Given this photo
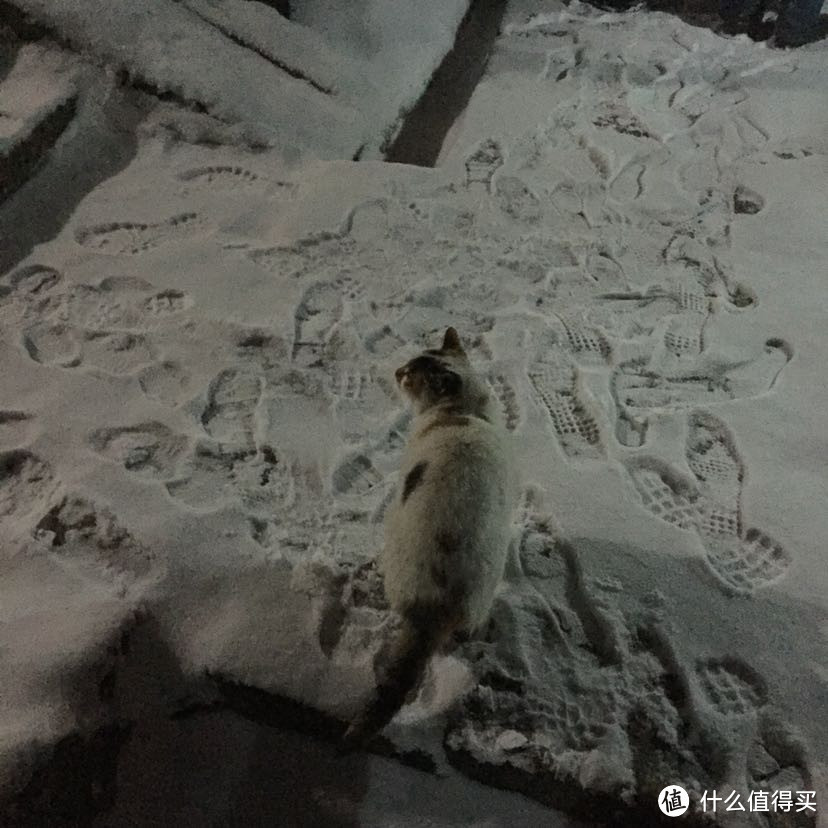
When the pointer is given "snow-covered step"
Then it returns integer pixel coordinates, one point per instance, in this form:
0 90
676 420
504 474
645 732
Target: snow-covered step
37 101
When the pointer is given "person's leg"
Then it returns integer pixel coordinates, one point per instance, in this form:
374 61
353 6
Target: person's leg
797 22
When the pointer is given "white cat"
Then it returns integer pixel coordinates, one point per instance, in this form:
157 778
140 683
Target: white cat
447 531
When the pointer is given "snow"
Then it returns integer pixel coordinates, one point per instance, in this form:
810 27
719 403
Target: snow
174 51
34 88
243 63
199 429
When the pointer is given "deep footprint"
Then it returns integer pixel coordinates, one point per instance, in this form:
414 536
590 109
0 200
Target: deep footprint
717 465
206 483
483 163
30 281
58 345
15 425
116 352
745 565
166 382
747 201
117 302
634 314
664 493
223 178
683 337
132 238
166 303
732 687
355 475
265 484
383 342
505 394
517 201
556 386
65 346
760 375
81 533
230 414
150 449
27 489
638 388
361 401
318 311
587 343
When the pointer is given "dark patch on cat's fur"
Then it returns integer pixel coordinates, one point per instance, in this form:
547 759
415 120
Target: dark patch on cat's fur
445 383
413 479
426 364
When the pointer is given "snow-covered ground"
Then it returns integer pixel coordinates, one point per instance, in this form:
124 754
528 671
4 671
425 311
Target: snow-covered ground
199 432
332 89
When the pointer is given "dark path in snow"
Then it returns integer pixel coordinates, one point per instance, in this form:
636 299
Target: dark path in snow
424 128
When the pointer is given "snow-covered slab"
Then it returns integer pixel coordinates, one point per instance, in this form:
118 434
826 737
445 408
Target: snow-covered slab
176 51
36 103
298 49
332 83
399 45
39 82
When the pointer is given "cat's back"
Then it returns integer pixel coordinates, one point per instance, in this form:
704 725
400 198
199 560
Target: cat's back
448 530
464 453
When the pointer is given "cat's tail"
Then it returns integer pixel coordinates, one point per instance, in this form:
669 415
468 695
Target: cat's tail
423 632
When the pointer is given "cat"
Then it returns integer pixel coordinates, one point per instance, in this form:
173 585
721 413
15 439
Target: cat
447 530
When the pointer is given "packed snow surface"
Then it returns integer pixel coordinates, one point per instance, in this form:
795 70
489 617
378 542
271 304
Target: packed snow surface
200 433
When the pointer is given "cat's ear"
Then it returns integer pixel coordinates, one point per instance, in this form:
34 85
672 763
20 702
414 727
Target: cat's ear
451 341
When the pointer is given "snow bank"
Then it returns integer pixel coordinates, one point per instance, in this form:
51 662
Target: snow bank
309 92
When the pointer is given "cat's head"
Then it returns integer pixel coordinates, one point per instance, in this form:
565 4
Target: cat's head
442 375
